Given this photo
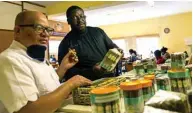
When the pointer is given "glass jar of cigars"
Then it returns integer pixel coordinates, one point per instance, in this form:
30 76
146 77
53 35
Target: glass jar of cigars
163 83
133 96
105 100
180 81
139 69
178 61
154 84
147 89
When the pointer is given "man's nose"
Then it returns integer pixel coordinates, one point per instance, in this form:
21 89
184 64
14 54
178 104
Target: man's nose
45 33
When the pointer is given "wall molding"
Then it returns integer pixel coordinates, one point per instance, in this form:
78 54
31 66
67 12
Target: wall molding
12 3
34 4
137 36
6 30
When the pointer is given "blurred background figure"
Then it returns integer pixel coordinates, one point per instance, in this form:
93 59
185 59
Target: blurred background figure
164 53
159 58
186 54
133 56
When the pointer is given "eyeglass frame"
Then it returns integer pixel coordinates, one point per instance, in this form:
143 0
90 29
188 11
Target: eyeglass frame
34 27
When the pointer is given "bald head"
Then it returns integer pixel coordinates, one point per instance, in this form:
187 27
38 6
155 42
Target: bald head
28 17
26 31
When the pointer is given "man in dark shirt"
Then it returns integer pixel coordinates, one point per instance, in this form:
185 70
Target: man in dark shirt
90 43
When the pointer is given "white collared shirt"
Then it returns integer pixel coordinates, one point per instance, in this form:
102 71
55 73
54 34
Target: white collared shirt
22 78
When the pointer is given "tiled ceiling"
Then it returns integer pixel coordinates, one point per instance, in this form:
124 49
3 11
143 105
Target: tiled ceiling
130 12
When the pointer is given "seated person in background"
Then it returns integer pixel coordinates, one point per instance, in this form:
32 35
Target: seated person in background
186 54
164 53
28 83
90 43
133 56
159 58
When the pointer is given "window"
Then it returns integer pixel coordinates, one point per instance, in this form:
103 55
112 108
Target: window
145 45
122 43
53 47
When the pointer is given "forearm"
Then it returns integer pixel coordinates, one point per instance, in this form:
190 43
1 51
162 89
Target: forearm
61 71
50 102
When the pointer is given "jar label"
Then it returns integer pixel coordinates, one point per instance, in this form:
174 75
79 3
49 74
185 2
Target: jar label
109 107
134 105
173 83
146 97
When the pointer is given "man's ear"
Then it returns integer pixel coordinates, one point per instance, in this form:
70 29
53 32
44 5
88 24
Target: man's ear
16 29
69 21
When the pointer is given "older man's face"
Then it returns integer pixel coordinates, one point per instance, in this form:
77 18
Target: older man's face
37 32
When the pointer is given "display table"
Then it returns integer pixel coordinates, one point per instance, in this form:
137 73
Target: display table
69 107
87 109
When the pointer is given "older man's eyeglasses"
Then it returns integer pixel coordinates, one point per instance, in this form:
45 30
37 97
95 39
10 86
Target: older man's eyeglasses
39 28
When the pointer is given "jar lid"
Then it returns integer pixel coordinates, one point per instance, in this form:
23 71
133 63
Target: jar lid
149 77
131 85
177 71
105 90
145 83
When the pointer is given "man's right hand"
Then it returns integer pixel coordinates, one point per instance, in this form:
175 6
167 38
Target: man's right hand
77 81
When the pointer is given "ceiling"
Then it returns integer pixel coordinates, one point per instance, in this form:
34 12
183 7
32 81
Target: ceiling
130 11
45 3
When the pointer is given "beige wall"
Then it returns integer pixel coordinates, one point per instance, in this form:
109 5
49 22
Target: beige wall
180 28
32 7
8 12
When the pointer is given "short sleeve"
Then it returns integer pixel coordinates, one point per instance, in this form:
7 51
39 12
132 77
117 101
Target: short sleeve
17 85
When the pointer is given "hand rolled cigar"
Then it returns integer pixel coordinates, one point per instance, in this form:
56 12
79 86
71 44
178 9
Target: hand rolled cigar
73 55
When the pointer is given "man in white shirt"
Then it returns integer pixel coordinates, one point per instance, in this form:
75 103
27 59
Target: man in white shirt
28 84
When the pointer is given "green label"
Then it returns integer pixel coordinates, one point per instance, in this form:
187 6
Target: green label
163 87
134 105
146 97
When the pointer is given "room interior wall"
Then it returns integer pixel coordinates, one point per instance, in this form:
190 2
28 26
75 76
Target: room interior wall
180 26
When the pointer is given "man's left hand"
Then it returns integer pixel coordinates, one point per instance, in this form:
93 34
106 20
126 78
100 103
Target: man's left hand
121 51
98 69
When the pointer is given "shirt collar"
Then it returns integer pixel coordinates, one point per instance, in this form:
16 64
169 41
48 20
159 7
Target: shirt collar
17 45
80 33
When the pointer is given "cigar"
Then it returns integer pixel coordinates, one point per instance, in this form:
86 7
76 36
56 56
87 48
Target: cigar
73 55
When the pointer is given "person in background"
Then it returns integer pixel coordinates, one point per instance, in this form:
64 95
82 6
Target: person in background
53 59
164 53
151 56
90 43
133 56
28 83
186 54
159 58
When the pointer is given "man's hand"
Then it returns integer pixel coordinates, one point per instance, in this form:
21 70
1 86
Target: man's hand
121 51
70 59
77 81
98 69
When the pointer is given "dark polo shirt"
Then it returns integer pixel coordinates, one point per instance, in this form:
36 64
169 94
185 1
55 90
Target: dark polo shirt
91 47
